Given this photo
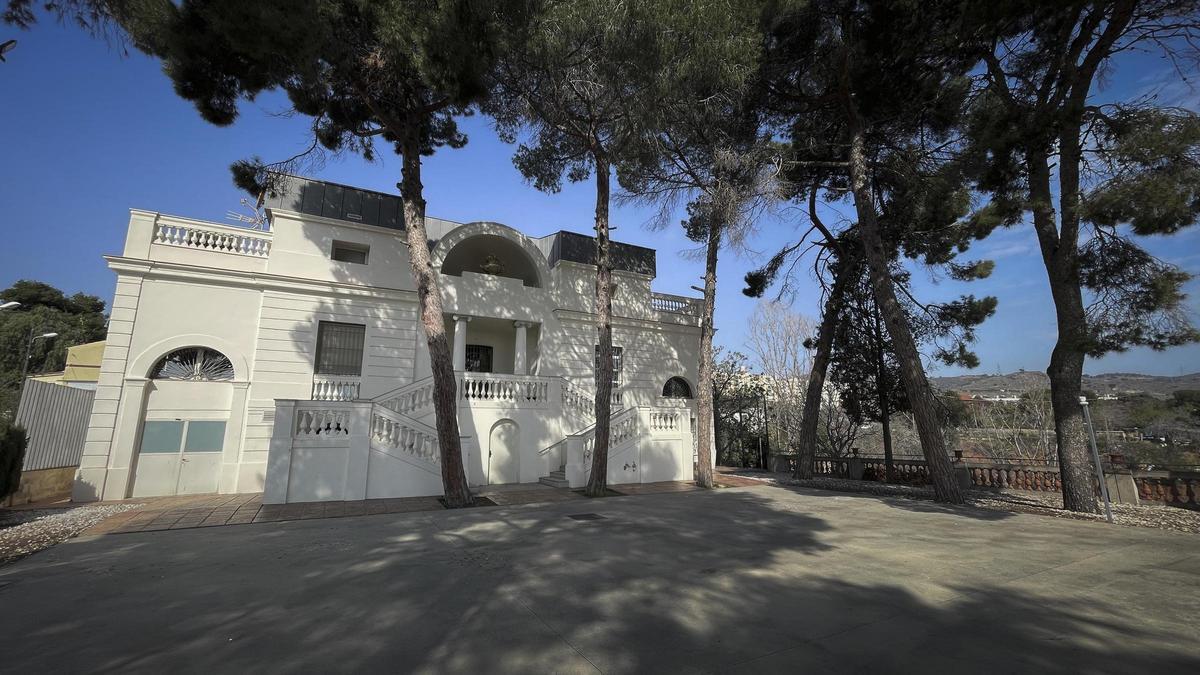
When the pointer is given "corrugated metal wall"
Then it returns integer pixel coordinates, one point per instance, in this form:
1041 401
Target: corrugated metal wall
56 419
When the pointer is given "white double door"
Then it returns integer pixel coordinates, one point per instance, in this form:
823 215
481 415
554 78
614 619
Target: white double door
179 457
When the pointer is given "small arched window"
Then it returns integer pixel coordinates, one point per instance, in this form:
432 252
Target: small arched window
677 387
193 364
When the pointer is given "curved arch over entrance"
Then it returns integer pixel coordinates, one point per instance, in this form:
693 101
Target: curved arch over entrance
504 453
143 363
491 248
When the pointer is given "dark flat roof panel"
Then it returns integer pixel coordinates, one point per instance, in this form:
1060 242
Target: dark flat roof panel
342 202
331 207
581 248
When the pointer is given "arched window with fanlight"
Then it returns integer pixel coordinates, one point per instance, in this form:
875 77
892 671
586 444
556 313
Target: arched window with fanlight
193 364
677 387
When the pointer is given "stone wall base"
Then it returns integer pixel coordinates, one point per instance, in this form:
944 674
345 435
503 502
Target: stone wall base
43 485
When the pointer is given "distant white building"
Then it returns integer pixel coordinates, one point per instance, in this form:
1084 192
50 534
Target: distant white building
292 361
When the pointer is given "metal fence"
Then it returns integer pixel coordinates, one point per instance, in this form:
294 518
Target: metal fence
56 419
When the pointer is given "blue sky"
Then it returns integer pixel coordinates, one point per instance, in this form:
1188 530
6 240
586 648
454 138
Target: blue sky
88 134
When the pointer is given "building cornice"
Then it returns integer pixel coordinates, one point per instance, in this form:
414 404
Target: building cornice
159 269
573 316
400 235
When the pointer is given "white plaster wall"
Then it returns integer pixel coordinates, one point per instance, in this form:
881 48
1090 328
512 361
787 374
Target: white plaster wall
286 346
652 353
172 400
302 245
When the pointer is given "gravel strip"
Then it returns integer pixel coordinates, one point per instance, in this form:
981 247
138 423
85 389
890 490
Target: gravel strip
27 531
1018 501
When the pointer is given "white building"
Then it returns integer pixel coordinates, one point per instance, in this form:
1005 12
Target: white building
291 361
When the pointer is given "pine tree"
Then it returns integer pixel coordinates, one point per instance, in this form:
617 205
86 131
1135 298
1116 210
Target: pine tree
702 143
868 93
570 93
1121 169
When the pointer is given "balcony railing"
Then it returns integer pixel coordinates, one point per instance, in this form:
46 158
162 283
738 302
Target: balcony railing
212 238
527 391
675 304
335 387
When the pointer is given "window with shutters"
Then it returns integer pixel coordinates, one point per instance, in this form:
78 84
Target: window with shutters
340 348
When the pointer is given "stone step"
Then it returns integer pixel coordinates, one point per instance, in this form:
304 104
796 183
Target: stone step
556 479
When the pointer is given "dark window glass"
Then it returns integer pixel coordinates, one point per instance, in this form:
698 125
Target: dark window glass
204 436
161 436
340 348
479 358
617 363
677 387
351 253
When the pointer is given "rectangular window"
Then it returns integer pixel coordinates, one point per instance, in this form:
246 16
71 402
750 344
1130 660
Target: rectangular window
345 251
617 363
479 359
161 436
340 348
204 436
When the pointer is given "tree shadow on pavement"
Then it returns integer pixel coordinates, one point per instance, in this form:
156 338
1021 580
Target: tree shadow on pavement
706 581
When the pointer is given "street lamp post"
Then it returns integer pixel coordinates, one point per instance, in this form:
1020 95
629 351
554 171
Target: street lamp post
29 354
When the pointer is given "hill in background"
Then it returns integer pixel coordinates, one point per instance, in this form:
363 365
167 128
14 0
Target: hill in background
1015 384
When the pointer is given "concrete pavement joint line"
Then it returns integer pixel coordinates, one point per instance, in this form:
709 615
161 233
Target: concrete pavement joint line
1072 562
559 635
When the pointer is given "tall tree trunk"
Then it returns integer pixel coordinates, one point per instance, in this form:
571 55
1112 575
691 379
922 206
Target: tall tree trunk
912 373
1060 254
704 403
814 389
597 485
883 389
429 301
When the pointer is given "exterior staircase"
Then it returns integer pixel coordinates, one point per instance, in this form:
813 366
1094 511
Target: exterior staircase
556 479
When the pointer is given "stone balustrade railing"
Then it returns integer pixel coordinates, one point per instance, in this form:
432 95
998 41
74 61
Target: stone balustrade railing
212 238
904 470
664 422
675 304
1172 488
394 431
622 427
577 400
836 467
526 391
315 421
335 387
1016 477
1169 487
411 399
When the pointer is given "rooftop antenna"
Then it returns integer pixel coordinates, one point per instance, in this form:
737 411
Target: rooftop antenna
257 219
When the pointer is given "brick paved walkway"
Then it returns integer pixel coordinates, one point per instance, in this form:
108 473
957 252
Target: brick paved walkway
177 513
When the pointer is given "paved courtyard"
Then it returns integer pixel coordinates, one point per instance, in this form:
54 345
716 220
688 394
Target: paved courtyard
759 579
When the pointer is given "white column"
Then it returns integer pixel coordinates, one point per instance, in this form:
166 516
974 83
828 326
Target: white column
125 438
358 455
460 342
279 456
231 448
521 348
